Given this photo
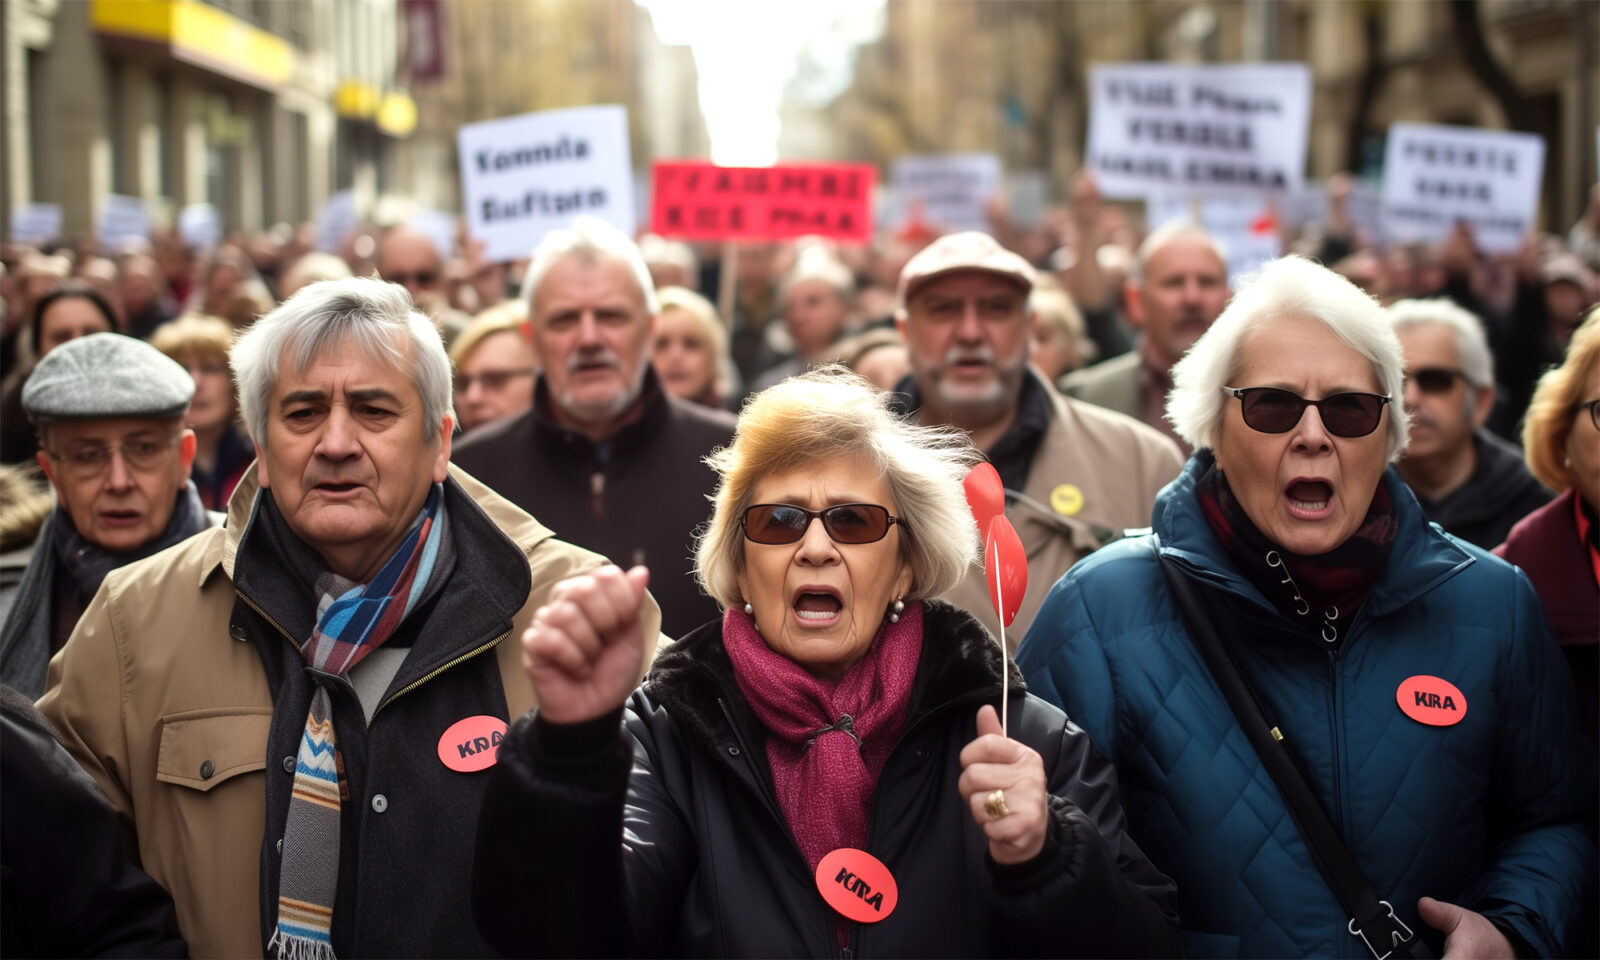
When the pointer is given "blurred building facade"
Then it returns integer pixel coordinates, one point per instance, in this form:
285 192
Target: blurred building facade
1009 76
264 108
503 59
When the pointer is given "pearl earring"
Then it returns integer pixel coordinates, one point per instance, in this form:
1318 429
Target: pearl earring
895 609
748 610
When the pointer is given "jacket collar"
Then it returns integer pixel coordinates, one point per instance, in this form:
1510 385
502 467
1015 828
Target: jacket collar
960 664
1421 558
653 404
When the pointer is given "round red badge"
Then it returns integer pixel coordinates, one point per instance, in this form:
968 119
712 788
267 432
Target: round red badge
472 744
857 885
1430 700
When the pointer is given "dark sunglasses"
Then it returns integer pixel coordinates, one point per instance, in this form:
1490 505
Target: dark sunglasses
1435 379
1271 410
774 523
422 278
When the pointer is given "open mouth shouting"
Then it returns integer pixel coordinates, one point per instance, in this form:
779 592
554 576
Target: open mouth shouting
1309 498
816 606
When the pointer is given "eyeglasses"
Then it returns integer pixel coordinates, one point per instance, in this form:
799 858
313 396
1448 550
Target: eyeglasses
1270 410
422 278
1435 379
1593 406
88 460
491 380
775 523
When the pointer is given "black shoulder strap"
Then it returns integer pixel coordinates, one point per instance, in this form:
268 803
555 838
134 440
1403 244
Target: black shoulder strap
1371 919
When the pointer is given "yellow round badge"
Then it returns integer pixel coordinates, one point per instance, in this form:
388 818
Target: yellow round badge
1066 500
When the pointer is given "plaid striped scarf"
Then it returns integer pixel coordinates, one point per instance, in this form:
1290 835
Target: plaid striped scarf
353 625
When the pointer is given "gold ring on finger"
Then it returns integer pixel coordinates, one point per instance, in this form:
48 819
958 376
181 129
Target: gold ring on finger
995 804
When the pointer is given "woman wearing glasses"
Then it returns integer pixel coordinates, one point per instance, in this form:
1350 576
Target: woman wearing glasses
1558 546
822 772
1406 675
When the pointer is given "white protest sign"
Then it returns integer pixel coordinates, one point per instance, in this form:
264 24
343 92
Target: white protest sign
440 228
336 221
1434 176
946 191
1308 207
124 222
36 223
1203 129
522 177
1029 196
200 226
1245 226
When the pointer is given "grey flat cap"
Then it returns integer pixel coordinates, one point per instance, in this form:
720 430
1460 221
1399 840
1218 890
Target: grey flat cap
106 375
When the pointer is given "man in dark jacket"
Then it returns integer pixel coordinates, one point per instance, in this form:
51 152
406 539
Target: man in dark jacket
1469 481
605 455
109 410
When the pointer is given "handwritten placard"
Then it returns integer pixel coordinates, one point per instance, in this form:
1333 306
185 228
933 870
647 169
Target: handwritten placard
200 226
124 223
1203 129
524 176
694 200
36 223
1434 176
336 221
1245 226
947 191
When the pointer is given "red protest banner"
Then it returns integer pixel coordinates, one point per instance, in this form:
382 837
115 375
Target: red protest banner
695 200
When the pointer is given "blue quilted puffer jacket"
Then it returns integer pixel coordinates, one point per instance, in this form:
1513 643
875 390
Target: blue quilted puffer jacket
1496 812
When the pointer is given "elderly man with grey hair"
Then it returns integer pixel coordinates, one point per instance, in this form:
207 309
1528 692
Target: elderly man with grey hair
109 410
290 715
1468 481
1176 293
606 455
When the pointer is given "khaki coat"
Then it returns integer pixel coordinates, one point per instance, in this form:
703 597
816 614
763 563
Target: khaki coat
150 692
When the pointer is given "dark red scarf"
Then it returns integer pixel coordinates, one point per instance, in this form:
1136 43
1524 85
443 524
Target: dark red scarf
1320 593
827 742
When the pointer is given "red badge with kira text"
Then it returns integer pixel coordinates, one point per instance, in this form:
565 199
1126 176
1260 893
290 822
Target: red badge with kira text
472 744
857 885
1430 700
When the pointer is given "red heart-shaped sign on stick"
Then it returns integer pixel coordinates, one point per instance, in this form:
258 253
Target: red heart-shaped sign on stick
985 495
1005 568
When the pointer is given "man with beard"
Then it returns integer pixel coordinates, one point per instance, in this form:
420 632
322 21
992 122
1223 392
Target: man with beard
610 460
1076 475
1469 481
1180 286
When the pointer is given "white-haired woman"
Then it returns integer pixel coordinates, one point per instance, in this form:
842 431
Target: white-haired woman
834 735
1406 675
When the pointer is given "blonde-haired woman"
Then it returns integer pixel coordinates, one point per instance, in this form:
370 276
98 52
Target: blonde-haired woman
835 707
223 450
1558 545
494 365
690 349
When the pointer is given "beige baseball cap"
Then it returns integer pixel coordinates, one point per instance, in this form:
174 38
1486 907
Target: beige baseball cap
971 250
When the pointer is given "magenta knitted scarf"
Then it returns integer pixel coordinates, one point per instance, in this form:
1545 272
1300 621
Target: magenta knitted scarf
827 742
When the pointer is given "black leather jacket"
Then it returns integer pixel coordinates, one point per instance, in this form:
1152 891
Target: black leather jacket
707 865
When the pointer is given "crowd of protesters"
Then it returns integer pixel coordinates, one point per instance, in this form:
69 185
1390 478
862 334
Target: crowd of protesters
290 557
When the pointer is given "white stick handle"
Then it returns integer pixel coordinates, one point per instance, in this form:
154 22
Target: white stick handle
1005 668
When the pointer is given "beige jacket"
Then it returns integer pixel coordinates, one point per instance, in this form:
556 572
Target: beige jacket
1095 474
145 697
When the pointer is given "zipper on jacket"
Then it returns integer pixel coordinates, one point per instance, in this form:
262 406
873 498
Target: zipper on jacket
1338 744
267 617
434 673
597 490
